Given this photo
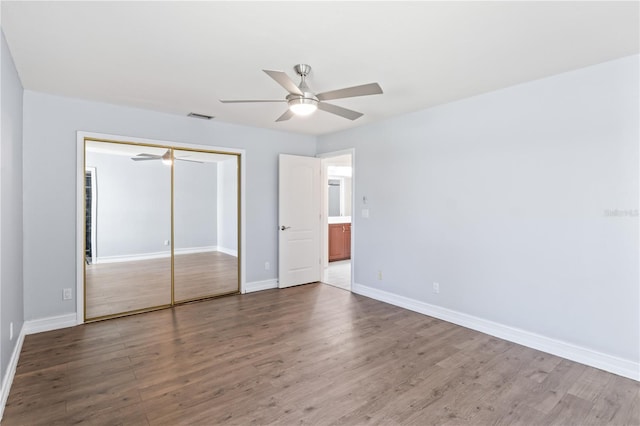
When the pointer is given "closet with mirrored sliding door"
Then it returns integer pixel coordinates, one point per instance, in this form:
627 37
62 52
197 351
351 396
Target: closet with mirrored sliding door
161 226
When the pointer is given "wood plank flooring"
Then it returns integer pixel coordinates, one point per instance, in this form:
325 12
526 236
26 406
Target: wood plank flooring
313 355
114 288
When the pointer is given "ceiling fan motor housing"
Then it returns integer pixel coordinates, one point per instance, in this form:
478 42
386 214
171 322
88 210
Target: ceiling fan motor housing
302 70
307 97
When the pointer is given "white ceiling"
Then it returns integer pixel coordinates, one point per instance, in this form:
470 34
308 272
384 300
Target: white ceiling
179 57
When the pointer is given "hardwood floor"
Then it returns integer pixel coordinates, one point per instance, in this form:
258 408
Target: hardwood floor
204 274
312 354
114 288
339 274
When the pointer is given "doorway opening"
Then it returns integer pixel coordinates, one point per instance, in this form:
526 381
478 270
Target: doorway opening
337 208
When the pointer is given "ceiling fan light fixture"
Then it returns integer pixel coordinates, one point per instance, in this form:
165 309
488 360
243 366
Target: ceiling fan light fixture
166 158
303 106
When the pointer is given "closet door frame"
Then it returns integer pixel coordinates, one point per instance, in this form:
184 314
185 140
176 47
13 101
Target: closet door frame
81 137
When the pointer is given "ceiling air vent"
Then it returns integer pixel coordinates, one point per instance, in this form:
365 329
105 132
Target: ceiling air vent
200 116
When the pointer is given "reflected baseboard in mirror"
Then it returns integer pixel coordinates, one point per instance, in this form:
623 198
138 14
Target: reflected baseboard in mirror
129 286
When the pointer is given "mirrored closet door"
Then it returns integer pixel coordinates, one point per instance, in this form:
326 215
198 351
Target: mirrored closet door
128 266
161 227
205 218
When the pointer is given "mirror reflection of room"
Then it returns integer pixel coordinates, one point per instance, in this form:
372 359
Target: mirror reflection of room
128 267
128 243
336 188
205 225
339 192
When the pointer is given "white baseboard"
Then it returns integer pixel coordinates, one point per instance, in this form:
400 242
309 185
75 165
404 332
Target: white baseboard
230 252
49 323
610 363
132 257
30 327
192 250
7 380
163 254
260 285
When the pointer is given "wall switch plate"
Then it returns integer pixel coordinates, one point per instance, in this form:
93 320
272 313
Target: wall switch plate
379 275
436 288
267 266
365 213
66 294
167 242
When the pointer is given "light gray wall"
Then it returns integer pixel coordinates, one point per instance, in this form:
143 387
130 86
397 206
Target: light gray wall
50 125
133 203
503 198
195 204
11 257
228 204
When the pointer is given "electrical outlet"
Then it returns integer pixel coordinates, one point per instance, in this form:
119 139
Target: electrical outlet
11 331
66 294
167 242
267 266
436 288
379 275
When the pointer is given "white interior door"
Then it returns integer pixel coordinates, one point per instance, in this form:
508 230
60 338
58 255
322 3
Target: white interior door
299 217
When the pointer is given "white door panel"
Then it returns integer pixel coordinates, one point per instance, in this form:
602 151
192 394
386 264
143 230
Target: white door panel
299 216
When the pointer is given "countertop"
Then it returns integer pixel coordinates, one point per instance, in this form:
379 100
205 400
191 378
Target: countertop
339 219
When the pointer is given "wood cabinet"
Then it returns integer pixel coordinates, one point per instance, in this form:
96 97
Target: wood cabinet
339 241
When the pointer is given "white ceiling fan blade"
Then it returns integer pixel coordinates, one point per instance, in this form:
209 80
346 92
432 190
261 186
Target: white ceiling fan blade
191 161
251 100
283 80
342 112
144 157
351 92
287 115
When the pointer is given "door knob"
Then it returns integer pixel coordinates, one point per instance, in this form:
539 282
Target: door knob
282 228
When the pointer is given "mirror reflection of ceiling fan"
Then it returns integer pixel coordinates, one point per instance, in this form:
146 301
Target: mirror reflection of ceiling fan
165 158
302 101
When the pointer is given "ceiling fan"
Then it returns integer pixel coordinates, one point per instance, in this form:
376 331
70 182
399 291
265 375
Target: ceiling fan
165 158
302 101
